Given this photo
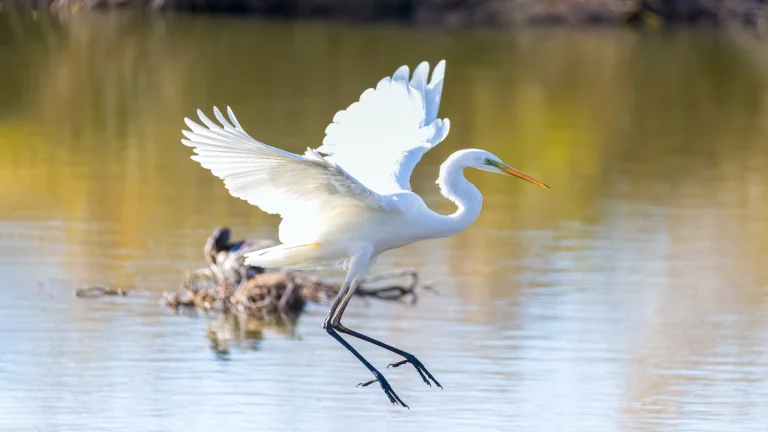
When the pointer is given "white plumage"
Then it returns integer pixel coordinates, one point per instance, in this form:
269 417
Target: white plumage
393 125
350 199
303 190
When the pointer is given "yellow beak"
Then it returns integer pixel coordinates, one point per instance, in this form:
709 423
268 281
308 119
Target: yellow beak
519 174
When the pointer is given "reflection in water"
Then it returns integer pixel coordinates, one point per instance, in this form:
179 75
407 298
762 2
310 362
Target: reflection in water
226 330
631 296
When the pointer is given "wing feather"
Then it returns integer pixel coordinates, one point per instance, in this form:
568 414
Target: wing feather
380 138
303 190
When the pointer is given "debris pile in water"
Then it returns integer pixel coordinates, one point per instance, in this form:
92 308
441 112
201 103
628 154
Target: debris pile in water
229 285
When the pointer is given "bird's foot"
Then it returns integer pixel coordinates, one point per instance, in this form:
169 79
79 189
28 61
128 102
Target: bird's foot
367 383
419 368
393 397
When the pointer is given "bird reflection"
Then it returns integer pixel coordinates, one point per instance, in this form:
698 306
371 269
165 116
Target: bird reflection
226 331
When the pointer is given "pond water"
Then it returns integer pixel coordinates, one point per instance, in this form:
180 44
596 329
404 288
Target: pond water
633 295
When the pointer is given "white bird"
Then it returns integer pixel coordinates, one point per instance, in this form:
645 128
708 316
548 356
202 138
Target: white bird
347 201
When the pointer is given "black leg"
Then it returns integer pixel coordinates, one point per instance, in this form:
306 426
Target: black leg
393 397
378 377
409 358
335 305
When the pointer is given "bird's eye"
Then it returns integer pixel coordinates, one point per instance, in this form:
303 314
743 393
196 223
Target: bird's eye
487 161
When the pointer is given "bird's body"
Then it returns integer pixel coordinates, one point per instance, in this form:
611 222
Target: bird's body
346 206
406 220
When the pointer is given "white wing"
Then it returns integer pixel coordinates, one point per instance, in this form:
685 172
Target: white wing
304 190
380 139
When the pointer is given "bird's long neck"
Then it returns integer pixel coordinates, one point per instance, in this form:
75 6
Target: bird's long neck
461 192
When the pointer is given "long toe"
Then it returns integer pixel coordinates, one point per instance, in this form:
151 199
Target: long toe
423 372
367 383
393 397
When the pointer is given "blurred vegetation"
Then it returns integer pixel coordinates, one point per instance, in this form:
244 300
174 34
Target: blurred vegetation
453 13
91 118
654 143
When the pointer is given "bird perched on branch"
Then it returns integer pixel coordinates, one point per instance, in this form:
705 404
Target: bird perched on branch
349 200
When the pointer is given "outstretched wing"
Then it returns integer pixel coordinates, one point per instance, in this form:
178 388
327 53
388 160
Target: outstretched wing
380 139
303 190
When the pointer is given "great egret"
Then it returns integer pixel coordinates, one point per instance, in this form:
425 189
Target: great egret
347 201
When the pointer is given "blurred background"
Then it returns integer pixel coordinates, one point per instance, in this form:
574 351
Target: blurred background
632 296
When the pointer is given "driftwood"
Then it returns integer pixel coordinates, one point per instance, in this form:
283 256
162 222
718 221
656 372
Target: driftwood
228 285
99 291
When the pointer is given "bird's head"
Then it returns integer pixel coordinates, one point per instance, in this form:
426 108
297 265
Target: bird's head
487 161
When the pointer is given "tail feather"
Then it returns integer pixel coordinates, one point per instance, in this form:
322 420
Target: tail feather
302 256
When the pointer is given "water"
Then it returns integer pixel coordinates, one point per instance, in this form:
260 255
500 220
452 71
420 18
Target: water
633 295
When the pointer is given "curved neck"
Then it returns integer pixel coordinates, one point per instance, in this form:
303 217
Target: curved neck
461 192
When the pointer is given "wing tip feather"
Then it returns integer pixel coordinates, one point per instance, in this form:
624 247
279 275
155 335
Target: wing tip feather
438 74
402 73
